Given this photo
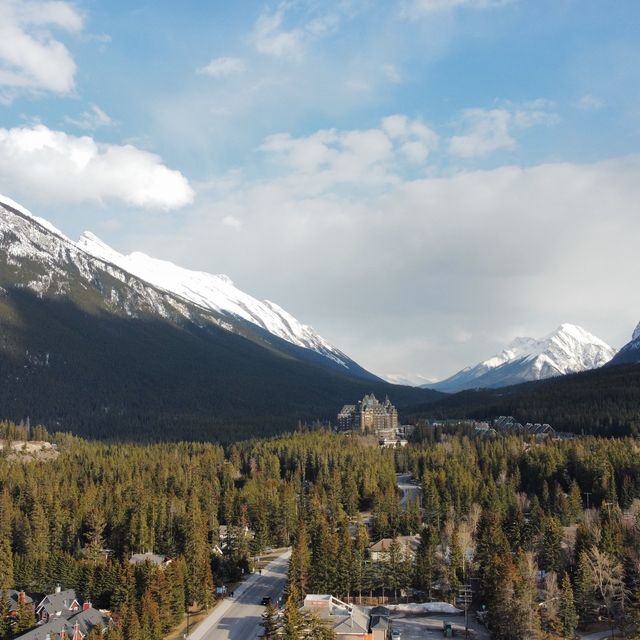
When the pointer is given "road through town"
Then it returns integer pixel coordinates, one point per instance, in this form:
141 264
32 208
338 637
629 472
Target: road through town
239 618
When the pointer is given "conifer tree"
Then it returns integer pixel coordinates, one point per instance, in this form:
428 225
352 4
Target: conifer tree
94 537
6 554
568 615
300 560
25 618
431 501
293 623
551 556
270 623
344 559
5 608
199 581
583 589
131 625
360 547
150 618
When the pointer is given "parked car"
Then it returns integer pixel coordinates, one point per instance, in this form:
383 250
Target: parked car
266 601
395 634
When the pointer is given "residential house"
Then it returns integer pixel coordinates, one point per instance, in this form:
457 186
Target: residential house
151 558
16 598
76 626
62 616
380 623
379 551
347 621
240 532
59 604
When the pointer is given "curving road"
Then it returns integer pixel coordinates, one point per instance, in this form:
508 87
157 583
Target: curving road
408 487
239 618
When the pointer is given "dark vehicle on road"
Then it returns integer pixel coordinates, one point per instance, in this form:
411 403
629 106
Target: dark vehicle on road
266 601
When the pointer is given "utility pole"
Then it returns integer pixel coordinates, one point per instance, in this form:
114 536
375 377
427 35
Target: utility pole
465 596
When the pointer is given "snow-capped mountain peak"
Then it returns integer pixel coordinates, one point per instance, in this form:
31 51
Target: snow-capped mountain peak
215 293
568 349
636 333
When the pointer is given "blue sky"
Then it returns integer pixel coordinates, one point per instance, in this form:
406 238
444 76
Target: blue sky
471 162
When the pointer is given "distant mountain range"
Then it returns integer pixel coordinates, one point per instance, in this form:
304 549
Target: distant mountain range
568 349
604 401
127 346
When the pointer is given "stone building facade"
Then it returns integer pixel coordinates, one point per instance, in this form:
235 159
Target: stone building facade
369 415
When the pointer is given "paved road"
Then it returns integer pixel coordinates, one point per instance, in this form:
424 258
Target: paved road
408 488
599 635
239 618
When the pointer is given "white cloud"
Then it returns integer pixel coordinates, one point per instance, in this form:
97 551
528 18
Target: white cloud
416 8
52 165
31 58
331 157
92 119
411 270
232 221
489 130
590 103
272 39
391 73
223 66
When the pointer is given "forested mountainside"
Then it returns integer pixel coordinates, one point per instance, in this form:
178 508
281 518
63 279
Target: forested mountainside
81 368
604 401
510 505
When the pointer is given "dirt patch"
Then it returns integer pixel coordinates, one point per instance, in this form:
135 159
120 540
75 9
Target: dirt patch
32 451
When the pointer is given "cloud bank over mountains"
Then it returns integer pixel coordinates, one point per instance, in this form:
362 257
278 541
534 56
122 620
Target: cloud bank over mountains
421 180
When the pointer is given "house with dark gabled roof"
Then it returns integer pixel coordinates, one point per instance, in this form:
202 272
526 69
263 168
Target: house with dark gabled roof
58 604
76 626
16 598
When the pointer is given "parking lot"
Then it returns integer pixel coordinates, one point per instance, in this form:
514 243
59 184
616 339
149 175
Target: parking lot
421 627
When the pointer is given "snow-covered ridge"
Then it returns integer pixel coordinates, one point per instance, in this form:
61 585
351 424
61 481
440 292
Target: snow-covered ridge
636 333
159 284
568 349
213 292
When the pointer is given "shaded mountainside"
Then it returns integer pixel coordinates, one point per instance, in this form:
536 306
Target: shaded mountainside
630 353
87 346
604 401
106 376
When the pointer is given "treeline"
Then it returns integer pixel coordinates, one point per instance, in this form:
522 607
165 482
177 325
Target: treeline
76 520
602 402
23 432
